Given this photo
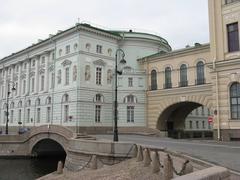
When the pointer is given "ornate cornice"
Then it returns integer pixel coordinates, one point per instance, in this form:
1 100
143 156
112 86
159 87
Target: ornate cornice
99 62
66 63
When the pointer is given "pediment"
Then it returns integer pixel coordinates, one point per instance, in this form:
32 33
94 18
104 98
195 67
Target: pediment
66 62
23 76
51 68
99 62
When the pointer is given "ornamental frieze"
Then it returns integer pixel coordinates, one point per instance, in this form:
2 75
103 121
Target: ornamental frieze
99 62
66 62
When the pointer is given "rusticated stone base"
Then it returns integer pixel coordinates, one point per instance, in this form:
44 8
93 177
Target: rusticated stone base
227 135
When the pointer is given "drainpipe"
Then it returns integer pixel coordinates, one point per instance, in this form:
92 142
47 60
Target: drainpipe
217 95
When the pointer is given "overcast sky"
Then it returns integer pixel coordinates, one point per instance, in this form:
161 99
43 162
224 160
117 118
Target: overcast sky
181 22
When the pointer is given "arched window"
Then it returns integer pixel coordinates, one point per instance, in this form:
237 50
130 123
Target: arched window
74 73
153 80
168 78
20 104
200 73
235 100
183 76
38 102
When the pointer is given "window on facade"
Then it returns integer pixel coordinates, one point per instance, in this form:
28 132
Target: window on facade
28 115
38 115
140 82
75 46
67 76
233 37
109 76
19 115
130 82
99 49
52 80
130 99
38 102
24 86
16 88
183 76
203 113
25 66
59 76
33 84
200 73
67 49
48 114
98 113
33 63
203 124
197 124
190 124
98 75
130 113
48 100
98 98
88 46
11 116
110 52
235 100
53 56
66 113
153 80
168 78
42 83
231 1
74 73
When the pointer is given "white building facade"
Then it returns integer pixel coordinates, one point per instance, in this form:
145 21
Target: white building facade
68 79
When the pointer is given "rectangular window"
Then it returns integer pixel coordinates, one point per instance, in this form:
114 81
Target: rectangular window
48 114
130 114
33 84
19 115
98 75
99 49
66 113
203 124
38 115
24 86
233 37
28 115
190 124
11 116
67 49
197 124
67 76
130 82
42 83
97 113
203 113
16 89
231 1
52 81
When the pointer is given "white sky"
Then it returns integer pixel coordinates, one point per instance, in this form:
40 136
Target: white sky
180 22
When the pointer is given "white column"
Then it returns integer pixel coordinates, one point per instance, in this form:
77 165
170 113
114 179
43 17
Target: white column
28 77
37 74
12 92
46 74
19 90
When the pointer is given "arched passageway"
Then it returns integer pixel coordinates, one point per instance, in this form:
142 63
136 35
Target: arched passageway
48 147
185 120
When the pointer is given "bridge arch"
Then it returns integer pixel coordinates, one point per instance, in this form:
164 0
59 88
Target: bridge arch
172 112
51 133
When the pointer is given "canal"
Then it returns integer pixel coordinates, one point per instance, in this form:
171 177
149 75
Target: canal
27 168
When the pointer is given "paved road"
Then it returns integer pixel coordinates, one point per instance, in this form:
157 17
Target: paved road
225 154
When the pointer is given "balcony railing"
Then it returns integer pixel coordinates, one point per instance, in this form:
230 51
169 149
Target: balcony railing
200 81
183 83
167 86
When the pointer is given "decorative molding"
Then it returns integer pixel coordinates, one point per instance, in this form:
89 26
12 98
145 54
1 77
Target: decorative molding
41 71
51 68
32 74
66 63
15 77
99 62
22 76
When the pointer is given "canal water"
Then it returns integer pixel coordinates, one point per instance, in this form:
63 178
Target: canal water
27 168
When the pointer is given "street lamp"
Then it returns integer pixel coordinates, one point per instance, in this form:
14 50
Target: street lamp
8 93
119 53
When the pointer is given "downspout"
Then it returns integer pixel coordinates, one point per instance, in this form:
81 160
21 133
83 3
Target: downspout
217 101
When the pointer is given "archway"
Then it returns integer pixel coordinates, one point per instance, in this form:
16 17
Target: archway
179 120
48 147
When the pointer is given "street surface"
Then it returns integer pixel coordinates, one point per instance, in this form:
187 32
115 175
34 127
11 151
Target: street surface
225 154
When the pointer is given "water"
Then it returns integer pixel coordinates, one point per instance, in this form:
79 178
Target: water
27 169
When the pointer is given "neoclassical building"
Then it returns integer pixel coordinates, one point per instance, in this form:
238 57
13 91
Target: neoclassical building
67 79
203 75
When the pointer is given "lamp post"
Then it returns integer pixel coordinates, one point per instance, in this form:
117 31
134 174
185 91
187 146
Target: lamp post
119 53
8 93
